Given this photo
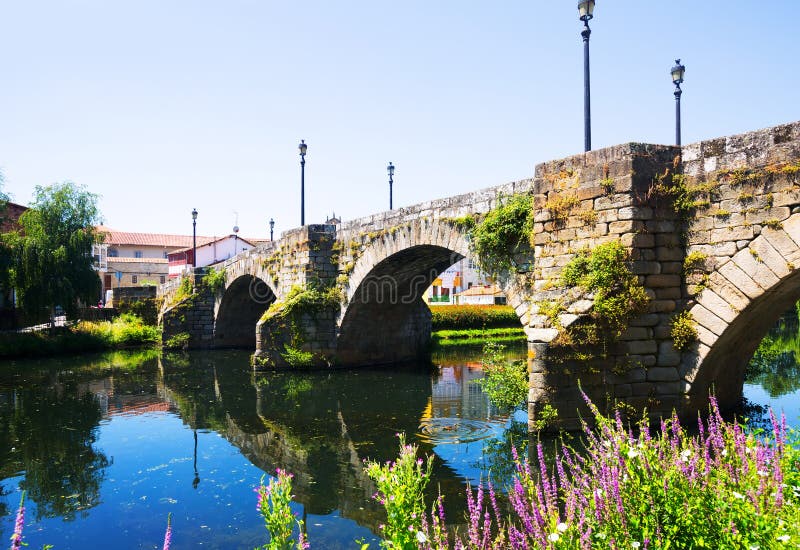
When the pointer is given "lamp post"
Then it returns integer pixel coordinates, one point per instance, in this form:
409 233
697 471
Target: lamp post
677 78
586 11
271 228
303 147
194 238
390 169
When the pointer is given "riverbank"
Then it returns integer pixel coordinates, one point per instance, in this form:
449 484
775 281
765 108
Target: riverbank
477 337
126 331
473 326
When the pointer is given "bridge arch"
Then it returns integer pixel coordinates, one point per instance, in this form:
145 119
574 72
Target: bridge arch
384 318
745 296
236 312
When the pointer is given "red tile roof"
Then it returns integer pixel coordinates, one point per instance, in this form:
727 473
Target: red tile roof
118 238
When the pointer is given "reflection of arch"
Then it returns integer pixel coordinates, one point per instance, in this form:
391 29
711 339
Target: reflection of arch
244 302
386 319
745 296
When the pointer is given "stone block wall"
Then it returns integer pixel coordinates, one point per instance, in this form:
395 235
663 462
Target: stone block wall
190 321
581 202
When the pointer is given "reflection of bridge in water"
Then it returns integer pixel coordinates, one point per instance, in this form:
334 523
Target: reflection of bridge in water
321 427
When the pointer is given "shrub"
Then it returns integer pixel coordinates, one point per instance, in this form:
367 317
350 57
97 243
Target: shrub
125 331
682 330
503 231
214 279
618 295
506 382
296 357
178 341
400 491
273 505
145 308
466 317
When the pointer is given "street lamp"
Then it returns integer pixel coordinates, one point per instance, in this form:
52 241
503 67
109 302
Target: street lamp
194 238
677 78
303 147
271 228
390 169
586 11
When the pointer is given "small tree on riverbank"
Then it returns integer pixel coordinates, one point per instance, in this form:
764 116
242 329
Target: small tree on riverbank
51 259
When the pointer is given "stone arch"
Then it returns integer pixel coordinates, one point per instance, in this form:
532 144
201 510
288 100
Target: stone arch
242 304
745 296
384 318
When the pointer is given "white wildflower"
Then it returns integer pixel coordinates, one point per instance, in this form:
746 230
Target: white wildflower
636 544
553 537
783 538
561 527
632 453
421 538
740 496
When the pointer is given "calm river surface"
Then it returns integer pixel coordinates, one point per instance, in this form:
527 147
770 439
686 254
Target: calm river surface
107 446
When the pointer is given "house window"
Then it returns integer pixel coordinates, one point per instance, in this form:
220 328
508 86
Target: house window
166 255
135 278
113 253
137 253
163 279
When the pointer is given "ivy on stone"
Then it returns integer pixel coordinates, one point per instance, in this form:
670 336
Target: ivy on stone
618 295
501 234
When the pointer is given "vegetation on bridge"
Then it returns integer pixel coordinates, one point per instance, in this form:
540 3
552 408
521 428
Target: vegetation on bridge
286 321
503 233
618 295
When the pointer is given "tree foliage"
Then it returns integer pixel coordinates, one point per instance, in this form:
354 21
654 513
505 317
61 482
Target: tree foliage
51 259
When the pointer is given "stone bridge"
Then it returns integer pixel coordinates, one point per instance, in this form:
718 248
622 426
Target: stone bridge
712 228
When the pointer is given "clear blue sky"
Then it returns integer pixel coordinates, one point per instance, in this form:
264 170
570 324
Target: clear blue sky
162 106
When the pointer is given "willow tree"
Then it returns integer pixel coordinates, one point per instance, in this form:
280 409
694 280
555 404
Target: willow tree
51 260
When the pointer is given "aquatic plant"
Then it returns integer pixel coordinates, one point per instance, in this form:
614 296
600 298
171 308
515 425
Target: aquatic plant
400 486
273 505
506 382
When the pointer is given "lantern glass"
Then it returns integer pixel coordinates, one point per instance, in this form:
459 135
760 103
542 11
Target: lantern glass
302 147
677 72
194 213
586 9
390 169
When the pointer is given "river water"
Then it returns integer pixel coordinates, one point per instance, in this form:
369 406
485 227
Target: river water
107 446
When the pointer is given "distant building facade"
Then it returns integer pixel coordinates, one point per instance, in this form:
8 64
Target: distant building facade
461 276
128 259
209 253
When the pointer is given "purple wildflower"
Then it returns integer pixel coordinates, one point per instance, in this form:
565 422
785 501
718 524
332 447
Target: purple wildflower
16 537
168 534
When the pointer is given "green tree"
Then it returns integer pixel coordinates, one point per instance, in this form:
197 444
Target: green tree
5 252
51 260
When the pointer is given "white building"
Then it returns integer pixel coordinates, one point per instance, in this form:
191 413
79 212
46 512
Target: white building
481 295
208 253
457 278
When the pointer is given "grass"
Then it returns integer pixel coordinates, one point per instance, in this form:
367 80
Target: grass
125 331
476 337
